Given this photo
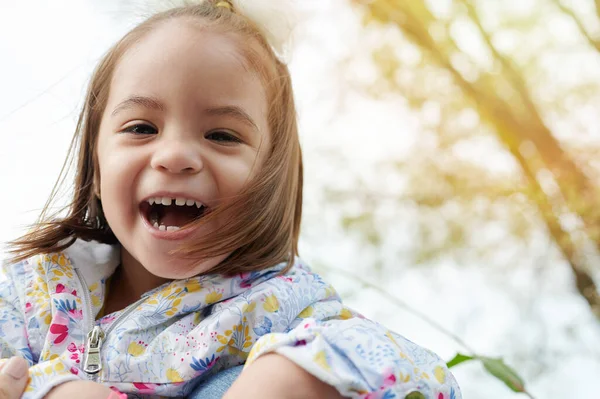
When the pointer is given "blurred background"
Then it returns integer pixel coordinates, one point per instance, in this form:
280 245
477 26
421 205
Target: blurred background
451 174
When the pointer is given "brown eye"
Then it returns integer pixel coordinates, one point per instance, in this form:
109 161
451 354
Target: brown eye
223 137
141 129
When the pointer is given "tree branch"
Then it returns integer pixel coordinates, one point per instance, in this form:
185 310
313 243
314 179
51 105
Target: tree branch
512 130
518 83
593 42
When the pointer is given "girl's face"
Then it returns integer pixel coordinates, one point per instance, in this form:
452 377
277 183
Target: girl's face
185 127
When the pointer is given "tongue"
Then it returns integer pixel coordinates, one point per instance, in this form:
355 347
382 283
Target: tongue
178 215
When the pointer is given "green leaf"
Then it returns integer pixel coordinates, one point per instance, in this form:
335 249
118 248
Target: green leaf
504 373
458 359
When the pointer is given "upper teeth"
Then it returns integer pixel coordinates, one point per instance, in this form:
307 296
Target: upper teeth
178 201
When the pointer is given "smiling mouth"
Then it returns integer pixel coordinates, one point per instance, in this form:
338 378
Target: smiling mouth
171 214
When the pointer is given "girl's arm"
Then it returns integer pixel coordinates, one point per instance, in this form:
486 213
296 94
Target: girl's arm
356 356
275 377
14 338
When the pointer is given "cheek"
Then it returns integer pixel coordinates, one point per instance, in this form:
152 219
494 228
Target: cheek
117 174
235 174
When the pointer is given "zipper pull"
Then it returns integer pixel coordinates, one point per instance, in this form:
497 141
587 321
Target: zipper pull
93 364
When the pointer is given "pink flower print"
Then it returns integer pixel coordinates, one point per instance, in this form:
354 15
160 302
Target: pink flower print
28 307
61 288
389 380
74 370
76 314
59 327
72 347
61 330
245 284
309 324
145 387
108 319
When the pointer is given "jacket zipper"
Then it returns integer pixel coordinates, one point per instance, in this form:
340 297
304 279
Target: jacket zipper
93 362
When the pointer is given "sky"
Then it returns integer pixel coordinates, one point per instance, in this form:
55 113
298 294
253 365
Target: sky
48 50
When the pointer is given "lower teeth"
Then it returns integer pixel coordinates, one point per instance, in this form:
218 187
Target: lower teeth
162 227
154 219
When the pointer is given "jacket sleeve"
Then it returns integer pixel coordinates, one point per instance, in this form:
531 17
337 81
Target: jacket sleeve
14 337
359 357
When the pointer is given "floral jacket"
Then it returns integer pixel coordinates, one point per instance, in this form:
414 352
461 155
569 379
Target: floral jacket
181 332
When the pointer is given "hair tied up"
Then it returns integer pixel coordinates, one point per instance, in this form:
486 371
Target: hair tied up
276 20
225 4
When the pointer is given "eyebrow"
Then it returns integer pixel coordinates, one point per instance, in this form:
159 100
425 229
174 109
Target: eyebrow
233 111
146 102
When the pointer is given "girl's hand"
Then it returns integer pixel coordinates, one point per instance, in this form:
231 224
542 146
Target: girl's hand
79 389
273 376
13 378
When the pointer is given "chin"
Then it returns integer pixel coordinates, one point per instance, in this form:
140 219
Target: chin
183 268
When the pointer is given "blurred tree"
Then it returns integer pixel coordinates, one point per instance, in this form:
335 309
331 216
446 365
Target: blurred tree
485 81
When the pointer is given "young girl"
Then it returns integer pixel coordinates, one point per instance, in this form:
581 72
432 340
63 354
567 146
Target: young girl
177 258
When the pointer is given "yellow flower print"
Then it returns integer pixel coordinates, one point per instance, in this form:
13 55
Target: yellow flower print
40 288
330 292
136 349
420 375
173 375
345 314
400 353
271 304
96 301
266 341
193 286
164 293
57 274
58 265
55 367
321 359
168 291
45 355
440 374
213 297
404 378
173 308
236 340
249 307
306 312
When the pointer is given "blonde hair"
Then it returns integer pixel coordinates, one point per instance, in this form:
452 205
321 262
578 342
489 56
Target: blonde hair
267 211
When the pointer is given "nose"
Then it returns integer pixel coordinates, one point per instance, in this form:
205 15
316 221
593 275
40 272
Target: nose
176 156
